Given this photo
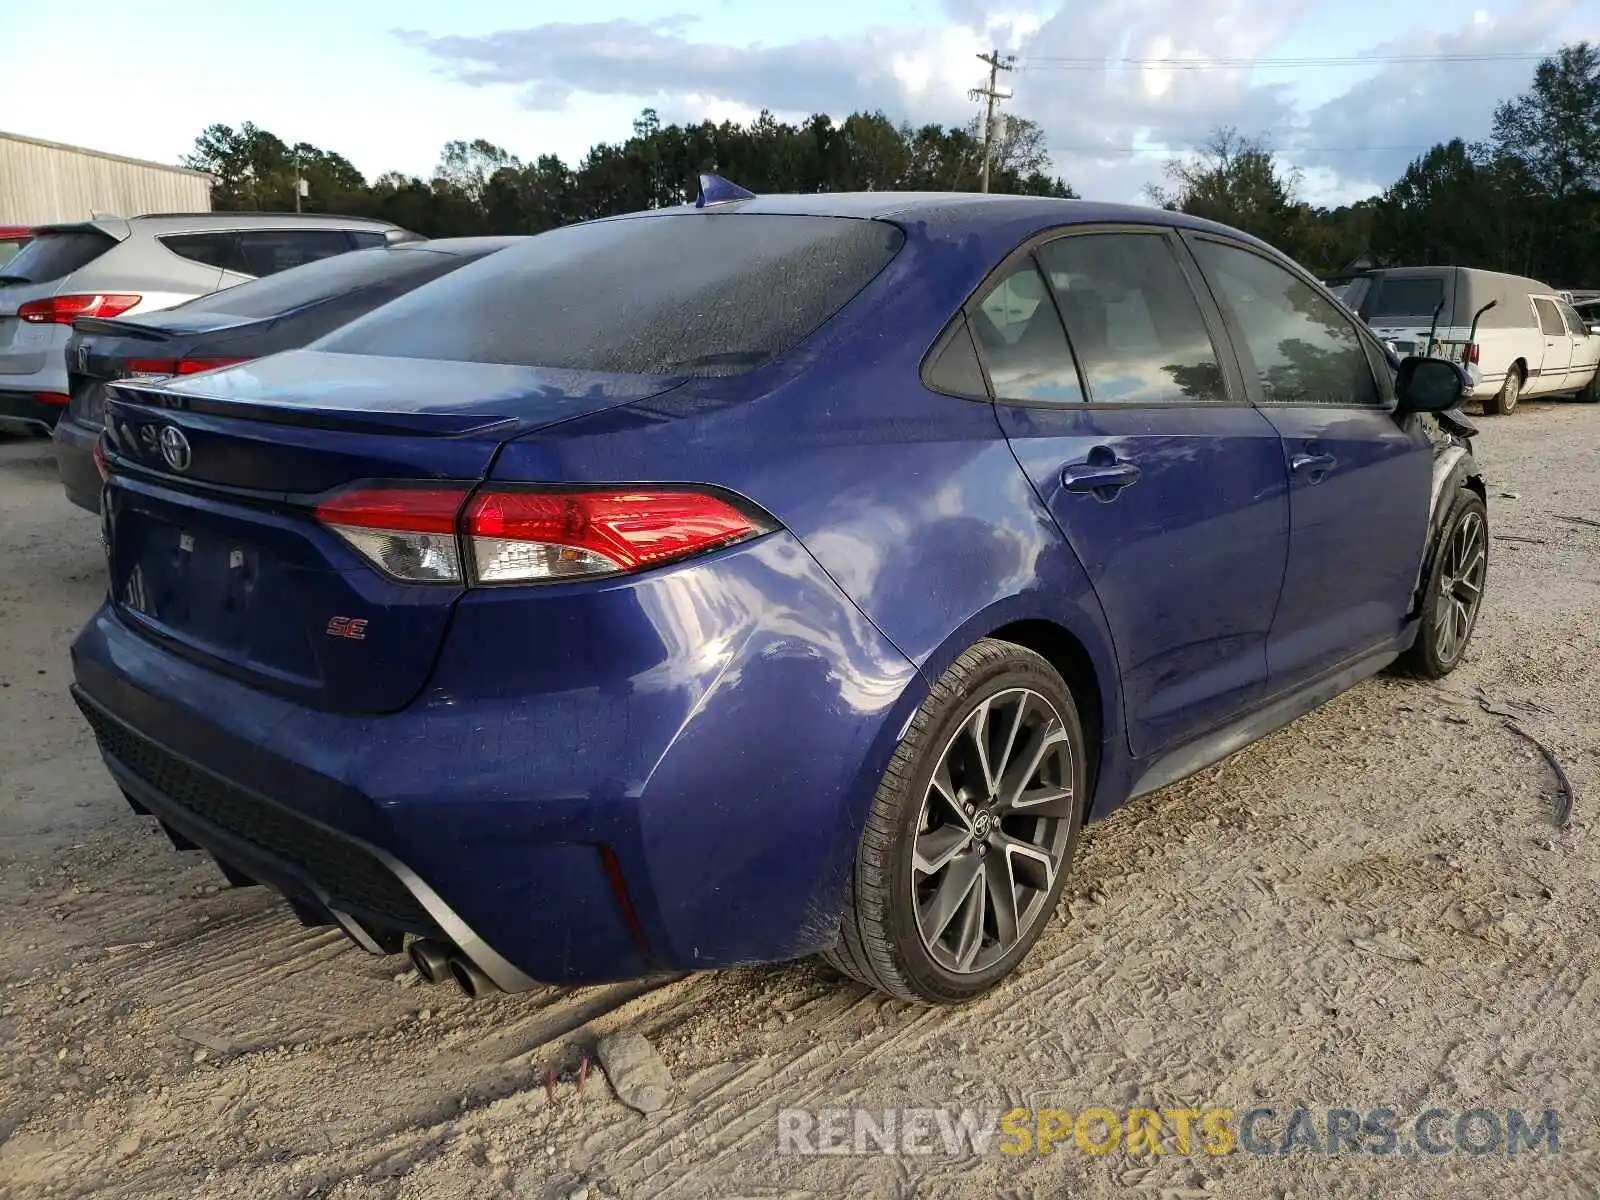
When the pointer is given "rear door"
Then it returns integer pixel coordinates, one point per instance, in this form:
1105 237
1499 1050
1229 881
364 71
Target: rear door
1167 484
1359 483
1557 362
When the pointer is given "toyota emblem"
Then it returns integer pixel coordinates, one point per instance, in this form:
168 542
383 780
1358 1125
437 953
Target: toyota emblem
175 448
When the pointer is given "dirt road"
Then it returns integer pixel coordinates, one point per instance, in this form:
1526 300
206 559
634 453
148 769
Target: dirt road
1372 907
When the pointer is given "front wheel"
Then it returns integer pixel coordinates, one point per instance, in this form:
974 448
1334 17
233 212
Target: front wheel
971 834
1454 590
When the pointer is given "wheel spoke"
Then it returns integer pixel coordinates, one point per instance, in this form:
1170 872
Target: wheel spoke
970 935
1024 766
1002 885
950 895
1047 801
945 789
936 847
977 732
1028 864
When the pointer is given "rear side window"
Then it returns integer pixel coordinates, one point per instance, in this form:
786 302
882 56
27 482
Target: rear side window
680 295
366 239
50 256
1024 347
219 249
359 270
1549 319
1305 349
1133 320
1409 297
268 251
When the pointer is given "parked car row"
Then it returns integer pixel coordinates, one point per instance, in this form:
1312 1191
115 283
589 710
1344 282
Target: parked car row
1521 337
243 322
122 267
754 578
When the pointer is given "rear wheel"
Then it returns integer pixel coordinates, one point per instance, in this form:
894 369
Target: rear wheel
1505 400
971 834
1454 591
1591 391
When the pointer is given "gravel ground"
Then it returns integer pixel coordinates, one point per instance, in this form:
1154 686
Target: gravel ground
1372 907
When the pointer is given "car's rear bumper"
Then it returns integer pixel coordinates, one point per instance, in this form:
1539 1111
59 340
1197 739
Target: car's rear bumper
75 461
699 810
29 411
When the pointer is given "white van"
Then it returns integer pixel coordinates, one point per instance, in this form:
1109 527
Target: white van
1531 343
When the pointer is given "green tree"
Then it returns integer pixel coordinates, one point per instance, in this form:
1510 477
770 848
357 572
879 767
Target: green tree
1235 180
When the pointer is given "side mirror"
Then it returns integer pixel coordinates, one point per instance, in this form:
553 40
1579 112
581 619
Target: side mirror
1430 385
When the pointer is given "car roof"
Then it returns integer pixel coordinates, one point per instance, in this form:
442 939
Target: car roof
952 210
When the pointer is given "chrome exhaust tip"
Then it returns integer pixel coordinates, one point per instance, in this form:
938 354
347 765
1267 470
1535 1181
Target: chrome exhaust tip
431 959
473 982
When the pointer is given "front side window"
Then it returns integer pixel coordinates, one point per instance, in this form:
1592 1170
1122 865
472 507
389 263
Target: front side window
1549 319
1133 320
1304 350
1024 347
1575 325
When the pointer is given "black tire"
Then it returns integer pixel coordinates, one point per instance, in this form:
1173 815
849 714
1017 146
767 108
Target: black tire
1440 647
1591 391
880 944
1504 402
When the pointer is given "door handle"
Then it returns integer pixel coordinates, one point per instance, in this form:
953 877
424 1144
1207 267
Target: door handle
1104 476
1314 465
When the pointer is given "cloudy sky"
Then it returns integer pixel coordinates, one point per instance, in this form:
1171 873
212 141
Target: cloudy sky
1117 85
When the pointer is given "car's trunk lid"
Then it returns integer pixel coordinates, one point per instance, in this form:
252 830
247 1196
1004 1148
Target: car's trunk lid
214 548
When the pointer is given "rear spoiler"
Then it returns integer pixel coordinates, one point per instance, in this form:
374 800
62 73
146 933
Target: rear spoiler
118 328
113 227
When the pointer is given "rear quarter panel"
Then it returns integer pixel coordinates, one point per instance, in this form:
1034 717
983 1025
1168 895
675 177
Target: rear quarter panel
912 501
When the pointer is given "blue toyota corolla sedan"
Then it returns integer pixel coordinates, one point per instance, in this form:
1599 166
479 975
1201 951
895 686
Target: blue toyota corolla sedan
762 578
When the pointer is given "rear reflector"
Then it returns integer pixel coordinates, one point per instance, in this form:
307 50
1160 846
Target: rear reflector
64 310
60 399
525 536
407 533
1469 352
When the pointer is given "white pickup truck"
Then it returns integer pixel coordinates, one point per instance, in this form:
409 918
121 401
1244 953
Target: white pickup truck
1528 342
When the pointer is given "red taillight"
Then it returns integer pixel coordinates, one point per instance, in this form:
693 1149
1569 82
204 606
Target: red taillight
179 366
522 537
529 536
1469 352
64 310
193 366
58 399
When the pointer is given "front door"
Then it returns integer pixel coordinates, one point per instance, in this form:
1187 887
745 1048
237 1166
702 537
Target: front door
1169 487
1585 349
1359 481
1552 375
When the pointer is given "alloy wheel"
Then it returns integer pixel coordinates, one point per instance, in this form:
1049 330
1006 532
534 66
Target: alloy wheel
995 827
1460 587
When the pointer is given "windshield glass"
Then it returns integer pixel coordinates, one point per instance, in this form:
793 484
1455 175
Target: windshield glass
326 278
49 256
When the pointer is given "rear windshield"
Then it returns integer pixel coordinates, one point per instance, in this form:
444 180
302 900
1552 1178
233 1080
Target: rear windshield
49 256
1404 298
9 248
329 277
676 295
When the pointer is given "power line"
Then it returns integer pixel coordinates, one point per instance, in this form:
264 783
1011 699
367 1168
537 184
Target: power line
1169 152
990 96
1045 62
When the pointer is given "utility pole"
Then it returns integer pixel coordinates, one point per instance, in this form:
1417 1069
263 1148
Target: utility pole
989 96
